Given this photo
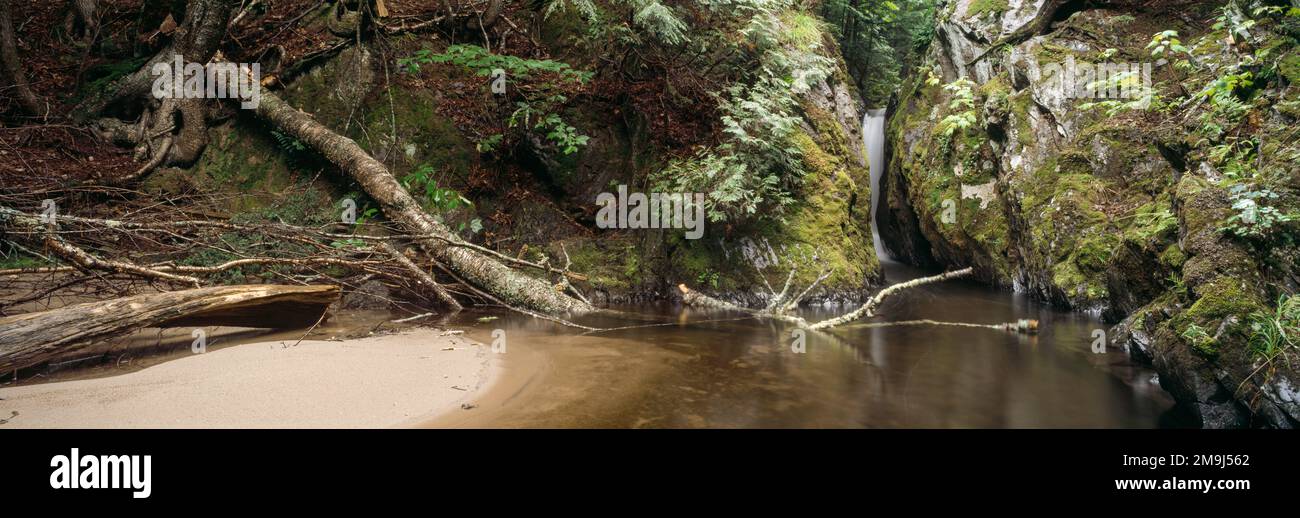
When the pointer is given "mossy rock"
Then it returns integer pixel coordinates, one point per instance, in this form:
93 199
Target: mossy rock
979 8
1221 310
1289 67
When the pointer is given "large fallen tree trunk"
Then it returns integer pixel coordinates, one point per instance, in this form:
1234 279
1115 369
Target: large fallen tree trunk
33 338
493 277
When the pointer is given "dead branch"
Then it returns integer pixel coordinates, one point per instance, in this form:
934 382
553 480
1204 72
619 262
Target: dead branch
779 310
868 309
287 231
81 258
1041 22
478 269
422 276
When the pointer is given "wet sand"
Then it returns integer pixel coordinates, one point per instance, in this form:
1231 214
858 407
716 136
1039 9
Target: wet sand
384 381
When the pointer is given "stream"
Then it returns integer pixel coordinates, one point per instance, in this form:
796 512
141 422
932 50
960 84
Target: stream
717 369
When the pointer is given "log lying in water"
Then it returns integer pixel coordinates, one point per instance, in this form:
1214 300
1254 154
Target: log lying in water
32 338
780 308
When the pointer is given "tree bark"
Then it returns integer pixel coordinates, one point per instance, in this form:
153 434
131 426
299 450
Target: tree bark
421 276
32 338
85 11
511 286
195 40
14 75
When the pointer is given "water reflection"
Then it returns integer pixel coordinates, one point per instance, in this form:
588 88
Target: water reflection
719 369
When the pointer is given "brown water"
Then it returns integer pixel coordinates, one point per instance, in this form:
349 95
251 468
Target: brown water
711 369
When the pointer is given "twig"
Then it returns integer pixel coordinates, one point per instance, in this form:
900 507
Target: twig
309 330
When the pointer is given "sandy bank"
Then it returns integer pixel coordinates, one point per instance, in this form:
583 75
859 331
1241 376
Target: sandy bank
385 381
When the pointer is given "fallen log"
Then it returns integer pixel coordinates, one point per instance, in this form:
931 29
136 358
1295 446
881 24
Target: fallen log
511 286
33 338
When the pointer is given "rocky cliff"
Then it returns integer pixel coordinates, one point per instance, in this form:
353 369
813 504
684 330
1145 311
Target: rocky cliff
1019 147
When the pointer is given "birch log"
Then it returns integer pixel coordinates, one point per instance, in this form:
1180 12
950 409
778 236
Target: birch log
509 285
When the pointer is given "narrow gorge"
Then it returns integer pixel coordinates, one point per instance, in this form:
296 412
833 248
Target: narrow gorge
1003 213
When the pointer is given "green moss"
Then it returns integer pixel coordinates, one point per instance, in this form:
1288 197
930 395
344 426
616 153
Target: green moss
1094 254
830 133
982 7
1221 298
1021 103
1196 193
609 264
423 135
817 162
802 30
1153 221
996 89
1070 280
1289 67
1082 274
832 219
1224 299
243 158
1173 256
15 259
306 206
1051 52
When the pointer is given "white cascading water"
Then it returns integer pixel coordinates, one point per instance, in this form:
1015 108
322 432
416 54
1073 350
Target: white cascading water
873 141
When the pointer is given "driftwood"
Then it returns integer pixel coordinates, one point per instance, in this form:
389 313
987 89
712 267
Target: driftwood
32 338
779 308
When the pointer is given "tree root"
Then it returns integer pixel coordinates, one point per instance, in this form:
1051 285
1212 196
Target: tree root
1040 24
12 66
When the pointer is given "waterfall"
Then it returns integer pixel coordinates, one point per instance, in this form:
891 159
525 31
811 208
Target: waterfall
873 142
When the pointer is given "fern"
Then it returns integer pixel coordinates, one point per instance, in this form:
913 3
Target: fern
659 21
294 150
537 112
962 106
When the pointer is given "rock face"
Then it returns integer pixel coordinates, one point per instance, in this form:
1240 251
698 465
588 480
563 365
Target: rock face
827 227
1112 208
